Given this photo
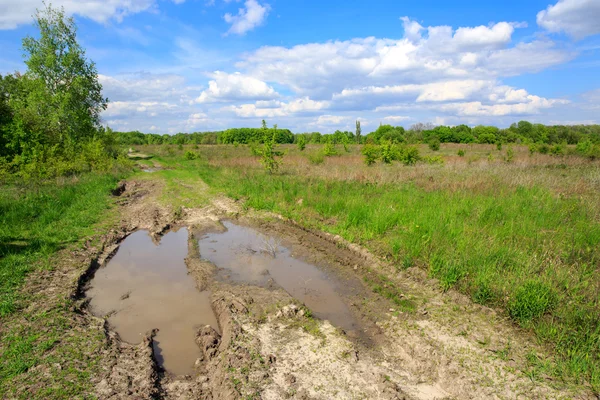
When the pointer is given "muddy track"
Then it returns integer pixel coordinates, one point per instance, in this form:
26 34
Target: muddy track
269 347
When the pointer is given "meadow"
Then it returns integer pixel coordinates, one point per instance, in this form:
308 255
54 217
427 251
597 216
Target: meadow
515 230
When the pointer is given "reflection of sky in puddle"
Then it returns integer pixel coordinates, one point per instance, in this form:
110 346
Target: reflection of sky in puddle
246 255
145 286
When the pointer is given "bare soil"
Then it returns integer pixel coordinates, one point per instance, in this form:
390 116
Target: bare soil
269 347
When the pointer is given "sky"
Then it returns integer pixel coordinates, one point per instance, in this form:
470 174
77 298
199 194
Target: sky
171 66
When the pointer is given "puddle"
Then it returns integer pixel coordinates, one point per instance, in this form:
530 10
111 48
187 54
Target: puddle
146 286
244 255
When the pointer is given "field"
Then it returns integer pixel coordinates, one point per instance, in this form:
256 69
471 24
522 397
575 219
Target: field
495 249
521 236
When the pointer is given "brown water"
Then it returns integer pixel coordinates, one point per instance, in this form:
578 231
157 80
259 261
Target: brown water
146 286
245 256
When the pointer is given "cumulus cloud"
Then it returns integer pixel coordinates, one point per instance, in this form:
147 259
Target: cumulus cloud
147 86
454 74
252 15
263 109
227 87
17 12
577 18
321 69
395 119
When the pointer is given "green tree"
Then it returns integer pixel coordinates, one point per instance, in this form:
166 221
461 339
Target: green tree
358 132
63 96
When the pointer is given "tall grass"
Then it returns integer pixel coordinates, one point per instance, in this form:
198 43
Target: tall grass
521 249
37 222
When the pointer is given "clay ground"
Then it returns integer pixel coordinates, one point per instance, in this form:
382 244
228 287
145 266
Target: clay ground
417 342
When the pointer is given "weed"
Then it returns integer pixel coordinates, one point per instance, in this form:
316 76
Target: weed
531 300
461 153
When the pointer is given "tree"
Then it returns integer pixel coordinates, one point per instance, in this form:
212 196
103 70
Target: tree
63 96
358 131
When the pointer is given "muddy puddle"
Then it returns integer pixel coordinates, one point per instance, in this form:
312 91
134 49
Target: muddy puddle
244 255
146 286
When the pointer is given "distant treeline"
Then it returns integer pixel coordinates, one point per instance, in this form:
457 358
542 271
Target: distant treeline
522 132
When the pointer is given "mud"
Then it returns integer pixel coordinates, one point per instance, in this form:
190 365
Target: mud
243 255
146 286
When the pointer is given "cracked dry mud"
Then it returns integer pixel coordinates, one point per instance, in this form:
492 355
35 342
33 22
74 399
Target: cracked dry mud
267 345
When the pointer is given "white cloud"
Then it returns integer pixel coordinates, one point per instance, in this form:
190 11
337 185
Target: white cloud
577 18
319 70
122 109
532 105
226 87
331 120
248 18
453 74
17 12
150 87
394 119
264 109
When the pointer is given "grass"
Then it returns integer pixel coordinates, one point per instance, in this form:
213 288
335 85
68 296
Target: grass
522 236
42 353
36 223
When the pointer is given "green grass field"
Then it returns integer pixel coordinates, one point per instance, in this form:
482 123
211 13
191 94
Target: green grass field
35 224
523 237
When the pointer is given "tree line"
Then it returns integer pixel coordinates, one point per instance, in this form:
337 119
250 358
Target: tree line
522 132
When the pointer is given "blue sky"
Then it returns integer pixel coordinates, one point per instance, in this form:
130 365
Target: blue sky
172 66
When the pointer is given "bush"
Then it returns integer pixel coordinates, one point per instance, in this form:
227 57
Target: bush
510 155
268 155
434 144
461 153
190 155
301 142
410 155
557 150
531 301
499 146
371 153
389 153
316 158
543 148
329 150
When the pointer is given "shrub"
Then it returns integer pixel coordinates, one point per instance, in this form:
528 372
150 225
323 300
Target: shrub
371 153
584 147
301 142
532 149
434 144
268 155
179 146
461 153
557 150
329 150
499 146
531 301
543 148
316 158
510 155
410 155
190 155
389 153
